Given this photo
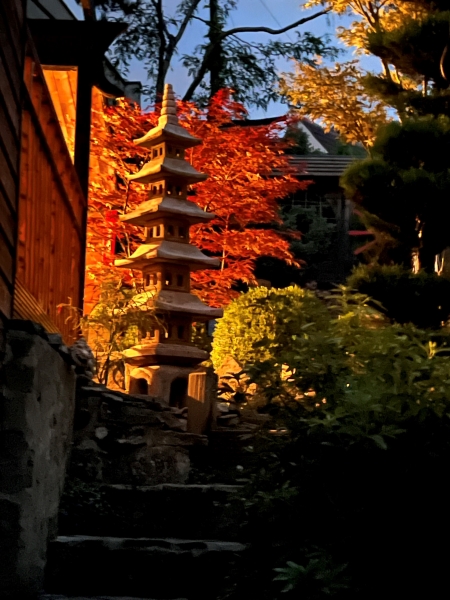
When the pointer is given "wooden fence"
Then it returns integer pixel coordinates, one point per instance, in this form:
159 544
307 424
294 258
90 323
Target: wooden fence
51 236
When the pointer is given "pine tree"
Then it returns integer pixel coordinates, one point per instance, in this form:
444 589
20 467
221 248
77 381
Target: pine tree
405 187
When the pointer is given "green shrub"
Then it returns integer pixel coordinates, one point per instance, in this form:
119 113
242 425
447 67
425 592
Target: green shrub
259 323
349 488
422 298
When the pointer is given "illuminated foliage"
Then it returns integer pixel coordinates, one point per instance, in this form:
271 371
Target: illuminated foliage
336 96
241 191
274 314
370 16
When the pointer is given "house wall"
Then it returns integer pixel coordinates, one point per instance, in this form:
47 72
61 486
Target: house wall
51 236
12 32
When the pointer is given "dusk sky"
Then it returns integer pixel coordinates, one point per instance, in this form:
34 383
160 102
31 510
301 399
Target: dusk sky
269 13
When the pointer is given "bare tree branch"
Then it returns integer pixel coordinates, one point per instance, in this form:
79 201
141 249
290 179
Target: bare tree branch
231 32
225 34
189 15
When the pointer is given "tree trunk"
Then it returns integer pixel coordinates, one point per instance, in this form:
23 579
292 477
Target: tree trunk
216 60
160 79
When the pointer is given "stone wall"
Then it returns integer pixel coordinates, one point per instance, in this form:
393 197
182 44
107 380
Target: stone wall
129 439
37 396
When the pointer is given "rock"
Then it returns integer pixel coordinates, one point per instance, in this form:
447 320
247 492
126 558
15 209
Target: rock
83 358
223 407
55 339
228 420
173 422
37 407
28 327
101 433
180 412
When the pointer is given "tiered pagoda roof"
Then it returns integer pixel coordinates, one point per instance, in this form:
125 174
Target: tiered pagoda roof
166 209
166 206
166 251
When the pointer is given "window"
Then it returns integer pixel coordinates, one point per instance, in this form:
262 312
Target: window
169 149
158 231
155 153
181 232
160 151
153 279
180 332
180 280
168 278
179 192
160 188
178 153
170 230
147 280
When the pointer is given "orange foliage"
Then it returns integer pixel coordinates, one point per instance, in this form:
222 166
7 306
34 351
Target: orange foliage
241 191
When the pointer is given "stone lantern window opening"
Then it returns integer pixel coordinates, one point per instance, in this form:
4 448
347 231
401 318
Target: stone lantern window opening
178 392
180 332
169 150
181 232
168 281
139 386
180 280
170 230
161 151
160 188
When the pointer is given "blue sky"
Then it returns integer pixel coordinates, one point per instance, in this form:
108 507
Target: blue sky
269 13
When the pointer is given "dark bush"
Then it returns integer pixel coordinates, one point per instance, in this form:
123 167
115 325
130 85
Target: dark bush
422 299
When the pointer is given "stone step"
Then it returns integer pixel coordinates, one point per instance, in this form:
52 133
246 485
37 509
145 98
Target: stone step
142 567
226 457
59 597
174 510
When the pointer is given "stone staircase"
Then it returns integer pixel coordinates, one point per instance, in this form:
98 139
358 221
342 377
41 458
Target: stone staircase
165 541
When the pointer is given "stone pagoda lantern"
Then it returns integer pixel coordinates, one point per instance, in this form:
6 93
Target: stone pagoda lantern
165 364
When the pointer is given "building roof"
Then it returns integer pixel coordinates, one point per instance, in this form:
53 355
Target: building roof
317 165
327 139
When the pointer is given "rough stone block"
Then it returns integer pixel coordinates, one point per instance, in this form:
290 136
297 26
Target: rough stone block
38 397
162 568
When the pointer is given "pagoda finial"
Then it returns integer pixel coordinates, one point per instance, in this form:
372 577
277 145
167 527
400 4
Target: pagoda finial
169 107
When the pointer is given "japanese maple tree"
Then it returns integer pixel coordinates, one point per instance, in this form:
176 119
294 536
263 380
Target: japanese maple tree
248 172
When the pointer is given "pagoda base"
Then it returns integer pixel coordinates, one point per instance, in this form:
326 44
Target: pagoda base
180 387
